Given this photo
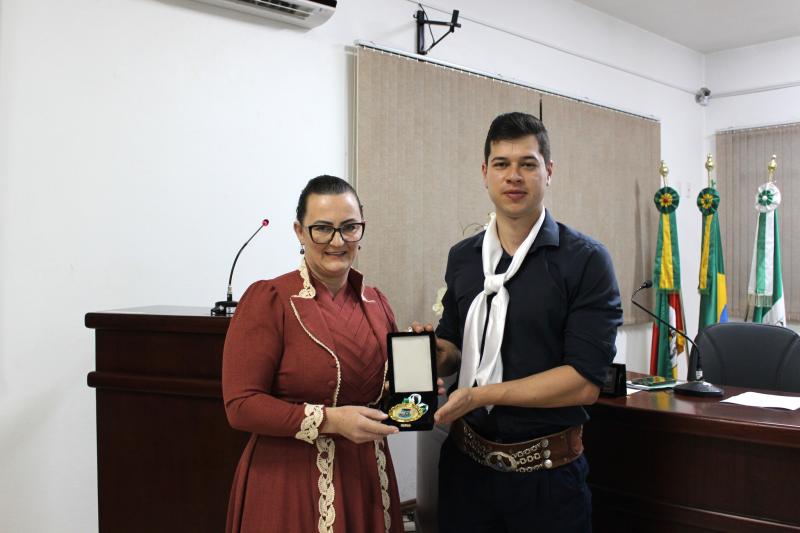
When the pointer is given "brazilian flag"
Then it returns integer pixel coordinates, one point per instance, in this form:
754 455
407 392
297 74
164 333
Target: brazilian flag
712 284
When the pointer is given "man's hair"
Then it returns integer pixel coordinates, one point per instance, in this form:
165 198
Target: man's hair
509 126
324 185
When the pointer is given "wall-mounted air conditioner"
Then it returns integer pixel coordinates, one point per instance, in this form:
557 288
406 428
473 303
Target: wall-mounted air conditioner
305 13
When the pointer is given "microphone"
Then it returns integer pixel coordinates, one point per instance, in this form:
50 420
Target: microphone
697 386
228 306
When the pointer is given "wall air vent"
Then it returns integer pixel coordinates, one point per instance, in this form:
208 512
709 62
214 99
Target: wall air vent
305 13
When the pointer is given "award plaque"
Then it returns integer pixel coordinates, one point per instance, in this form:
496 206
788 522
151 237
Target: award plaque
412 376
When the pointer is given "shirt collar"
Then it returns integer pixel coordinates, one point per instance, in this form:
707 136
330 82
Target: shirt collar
354 278
548 234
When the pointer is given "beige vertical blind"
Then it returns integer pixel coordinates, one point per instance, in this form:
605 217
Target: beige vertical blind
605 176
742 158
420 130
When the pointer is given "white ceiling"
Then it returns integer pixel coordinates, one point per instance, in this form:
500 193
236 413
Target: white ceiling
708 25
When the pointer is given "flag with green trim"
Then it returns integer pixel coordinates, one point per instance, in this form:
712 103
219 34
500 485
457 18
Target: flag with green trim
765 302
666 345
712 283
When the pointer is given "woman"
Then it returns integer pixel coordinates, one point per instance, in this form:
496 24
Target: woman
304 364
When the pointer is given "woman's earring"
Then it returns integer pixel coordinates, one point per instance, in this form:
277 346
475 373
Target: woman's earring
359 246
302 250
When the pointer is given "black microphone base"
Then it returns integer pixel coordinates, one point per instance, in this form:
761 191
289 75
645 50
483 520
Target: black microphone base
224 308
698 388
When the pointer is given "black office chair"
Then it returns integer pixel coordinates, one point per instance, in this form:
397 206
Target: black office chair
744 354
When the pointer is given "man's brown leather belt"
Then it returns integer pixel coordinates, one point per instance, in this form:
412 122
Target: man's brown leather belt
550 451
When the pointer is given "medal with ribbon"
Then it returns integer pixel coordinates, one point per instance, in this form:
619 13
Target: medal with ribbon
410 409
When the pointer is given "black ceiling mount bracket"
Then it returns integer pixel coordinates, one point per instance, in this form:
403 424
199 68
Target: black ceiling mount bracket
422 20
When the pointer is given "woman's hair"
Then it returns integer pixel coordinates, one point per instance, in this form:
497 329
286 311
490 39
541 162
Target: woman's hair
324 185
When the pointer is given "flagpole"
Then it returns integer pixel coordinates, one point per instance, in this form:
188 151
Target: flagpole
665 347
765 287
709 168
773 164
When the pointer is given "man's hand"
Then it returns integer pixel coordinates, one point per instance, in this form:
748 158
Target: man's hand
356 423
562 386
448 356
459 403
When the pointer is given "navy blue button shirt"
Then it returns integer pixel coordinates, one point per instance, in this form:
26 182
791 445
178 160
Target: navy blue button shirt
564 309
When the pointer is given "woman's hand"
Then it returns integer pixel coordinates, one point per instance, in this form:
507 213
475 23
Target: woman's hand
356 423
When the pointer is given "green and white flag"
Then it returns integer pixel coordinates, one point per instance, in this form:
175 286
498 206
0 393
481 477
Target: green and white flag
765 289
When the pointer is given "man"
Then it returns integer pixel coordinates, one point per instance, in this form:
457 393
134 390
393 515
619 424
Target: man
530 319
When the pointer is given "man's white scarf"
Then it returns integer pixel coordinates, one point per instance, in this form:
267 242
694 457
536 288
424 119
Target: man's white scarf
490 369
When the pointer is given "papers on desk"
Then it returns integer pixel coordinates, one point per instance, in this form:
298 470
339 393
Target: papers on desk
757 399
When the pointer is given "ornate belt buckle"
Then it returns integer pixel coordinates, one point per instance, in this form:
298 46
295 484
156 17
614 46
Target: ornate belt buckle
501 461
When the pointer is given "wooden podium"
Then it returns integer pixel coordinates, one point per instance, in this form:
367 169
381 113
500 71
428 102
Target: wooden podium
165 452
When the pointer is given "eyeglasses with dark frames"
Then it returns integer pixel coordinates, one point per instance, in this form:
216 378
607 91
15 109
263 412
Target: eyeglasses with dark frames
324 233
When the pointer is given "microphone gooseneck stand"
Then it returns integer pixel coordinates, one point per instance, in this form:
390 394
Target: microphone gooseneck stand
698 386
227 306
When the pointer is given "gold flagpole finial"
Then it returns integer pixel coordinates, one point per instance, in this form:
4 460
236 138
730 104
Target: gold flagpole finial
664 171
773 164
709 168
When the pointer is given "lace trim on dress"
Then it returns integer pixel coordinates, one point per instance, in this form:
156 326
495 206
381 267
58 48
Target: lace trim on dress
309 427
326 448
384 480
308 290
383 387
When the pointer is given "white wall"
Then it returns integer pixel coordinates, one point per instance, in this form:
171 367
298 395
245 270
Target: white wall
142 140
766 66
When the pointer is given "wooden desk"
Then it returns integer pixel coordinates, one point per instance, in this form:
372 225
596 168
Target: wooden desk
662 462
166 455
665 463
165 452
